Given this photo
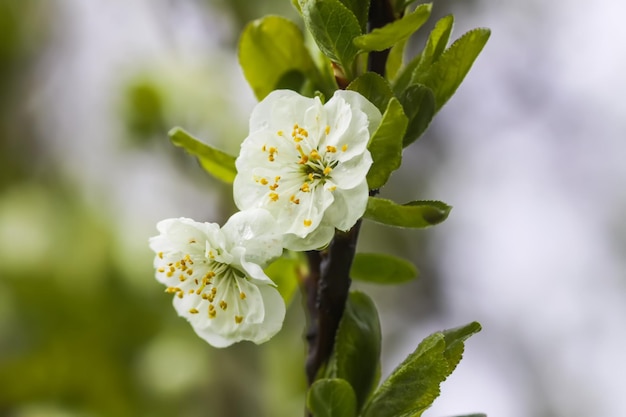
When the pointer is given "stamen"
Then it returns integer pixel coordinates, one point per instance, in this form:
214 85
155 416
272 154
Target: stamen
242 295
160 255
344 147
294 200
279 133
263 181
305 187
327 130
193 311
161 269
238 319
273 196
307 222
327 170
331 149
223 305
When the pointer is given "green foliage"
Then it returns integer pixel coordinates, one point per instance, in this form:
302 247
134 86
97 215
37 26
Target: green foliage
414 384
331 398
436 43
386 145
333 27
395 59
382 269
285 274
415 214
360 8
272 55
215 162
419 104
356 356
374 88
446 74
392 33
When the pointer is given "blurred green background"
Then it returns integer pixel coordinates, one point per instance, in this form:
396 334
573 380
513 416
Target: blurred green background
88 91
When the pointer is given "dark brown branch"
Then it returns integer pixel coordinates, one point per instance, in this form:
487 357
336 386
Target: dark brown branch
381 13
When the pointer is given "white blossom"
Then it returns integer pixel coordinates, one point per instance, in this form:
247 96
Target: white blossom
306 162
216 276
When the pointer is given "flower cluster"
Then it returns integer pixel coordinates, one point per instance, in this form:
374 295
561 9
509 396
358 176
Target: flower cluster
301 174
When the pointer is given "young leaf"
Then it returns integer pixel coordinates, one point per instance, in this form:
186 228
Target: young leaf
269 49
384 38
331 398
284 273
414 384
215 162
360 8
382 269
356 356
436 43
415 214
374 88
418 102
395 59
333 27
386 145
445 75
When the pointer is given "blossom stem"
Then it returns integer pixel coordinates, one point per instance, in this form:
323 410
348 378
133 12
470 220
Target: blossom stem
328 283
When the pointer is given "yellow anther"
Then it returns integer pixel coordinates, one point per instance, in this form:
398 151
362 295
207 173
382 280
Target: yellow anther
327 130
305 187
182 278
211 307
273 150
273 196
191 291
238 319
223 305
160 255
189 271
242 295
180 294
211 255
307 222
279 133
277 178
314 155
264 148
331 149
193 311
294 200
204 295
263 181
303 160
271 157
183 267
295 126
273 186
192 240
210 297
212 314
344 147
213 290
327 170
169 274
161 269
333 188
171 290
177 264
311 176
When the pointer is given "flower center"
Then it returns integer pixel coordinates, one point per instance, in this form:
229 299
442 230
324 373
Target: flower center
215 285
310 166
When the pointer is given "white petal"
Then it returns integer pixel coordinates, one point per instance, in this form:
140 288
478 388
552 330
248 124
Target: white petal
357 101
349 206
353 172
255 231
317 239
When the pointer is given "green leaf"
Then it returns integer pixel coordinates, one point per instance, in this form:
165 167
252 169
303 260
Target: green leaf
356 356
386 145
269 49
418 102
374 88
445 75
383 38
436 43
382 269
333 27
401 5
360 8
395 59
285 273
215 162
415 214
414 384
331 398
